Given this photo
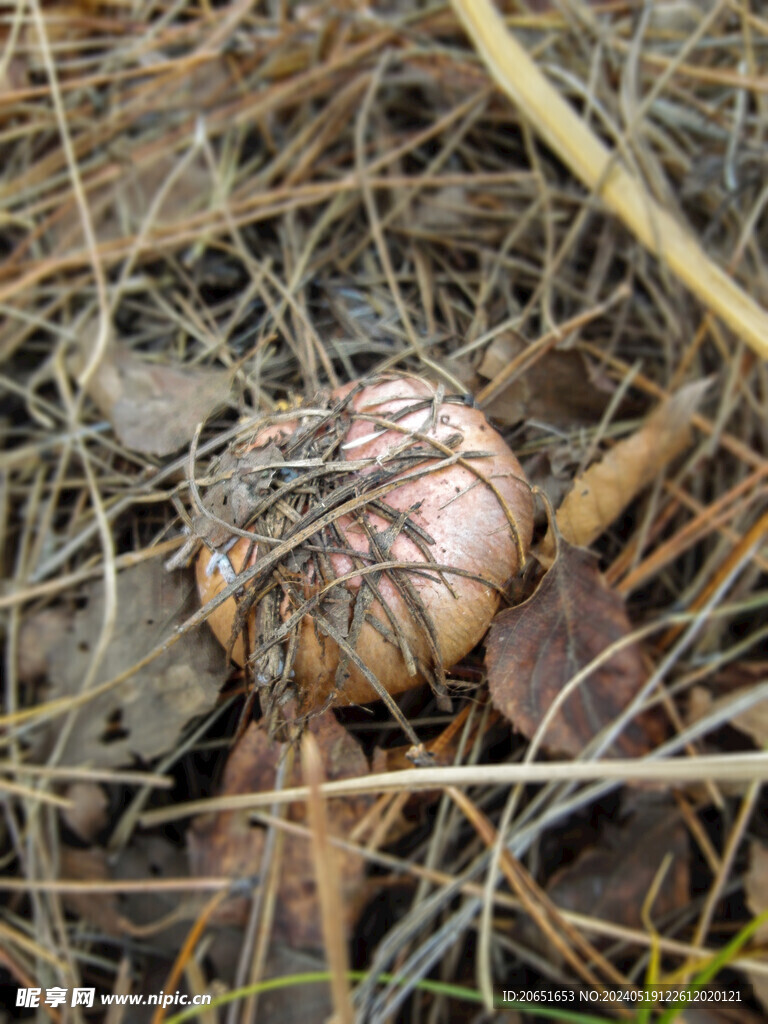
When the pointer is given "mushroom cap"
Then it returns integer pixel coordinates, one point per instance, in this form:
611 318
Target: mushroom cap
469 498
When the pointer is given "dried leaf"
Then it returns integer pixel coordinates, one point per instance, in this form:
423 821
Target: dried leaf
600 494
754 723
234 497
299 1002
88 814
443 208
154 407
611 881
41 635
99 909
144 716
533 650
139 913
756 888
556 389
157 857
228 844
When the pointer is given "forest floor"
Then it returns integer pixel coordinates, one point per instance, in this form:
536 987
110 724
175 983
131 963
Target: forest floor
212 214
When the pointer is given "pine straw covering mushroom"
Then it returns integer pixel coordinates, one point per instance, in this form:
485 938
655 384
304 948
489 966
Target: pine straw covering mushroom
367 540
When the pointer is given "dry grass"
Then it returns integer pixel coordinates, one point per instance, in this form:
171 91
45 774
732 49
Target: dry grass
299 194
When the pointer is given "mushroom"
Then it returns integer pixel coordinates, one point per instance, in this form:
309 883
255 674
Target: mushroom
423 516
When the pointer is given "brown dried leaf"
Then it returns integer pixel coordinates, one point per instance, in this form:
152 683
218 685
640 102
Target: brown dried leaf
555 389
139 912
611 881
228 844
756 888
754 723
144 716
88 814
535 649
600 494
39 636
154 407
99 909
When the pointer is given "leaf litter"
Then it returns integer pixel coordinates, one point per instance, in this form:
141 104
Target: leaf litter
264 194
600 494
153 407
756 889
535 649
611 880
556 389
145 716
230 843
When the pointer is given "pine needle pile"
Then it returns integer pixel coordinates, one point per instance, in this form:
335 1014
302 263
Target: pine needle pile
215 215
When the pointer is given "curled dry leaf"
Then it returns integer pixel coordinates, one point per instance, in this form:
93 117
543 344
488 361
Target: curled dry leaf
143 716
600 495
228 843
535 649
